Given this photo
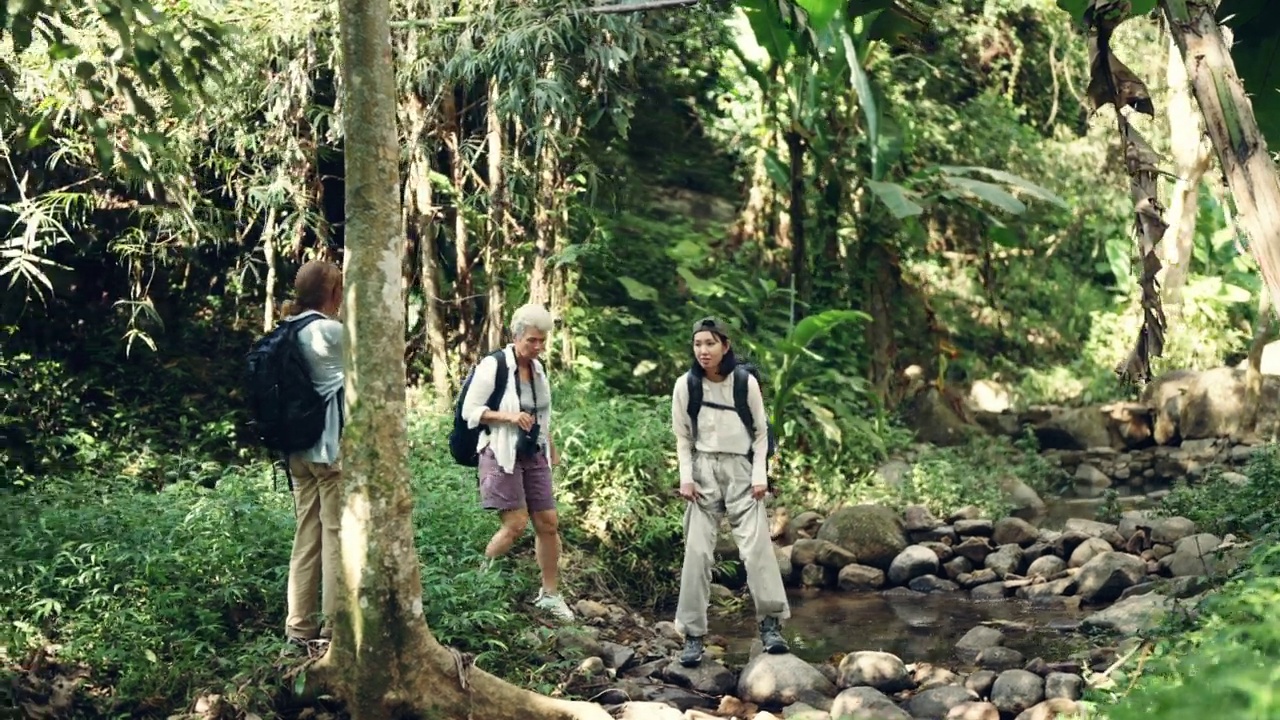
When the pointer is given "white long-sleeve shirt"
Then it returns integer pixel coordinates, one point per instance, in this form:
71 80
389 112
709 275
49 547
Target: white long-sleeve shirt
502 437
720 431
321 342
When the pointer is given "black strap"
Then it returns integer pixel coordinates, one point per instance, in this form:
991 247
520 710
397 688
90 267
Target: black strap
741 386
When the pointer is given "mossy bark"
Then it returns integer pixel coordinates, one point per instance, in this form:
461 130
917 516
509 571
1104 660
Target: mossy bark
383 662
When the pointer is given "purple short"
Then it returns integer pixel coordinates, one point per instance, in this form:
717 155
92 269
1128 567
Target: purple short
527 487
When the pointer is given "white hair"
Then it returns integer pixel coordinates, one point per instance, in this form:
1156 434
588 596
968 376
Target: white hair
529 316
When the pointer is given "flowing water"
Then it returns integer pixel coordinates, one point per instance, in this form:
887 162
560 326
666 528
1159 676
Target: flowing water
914 626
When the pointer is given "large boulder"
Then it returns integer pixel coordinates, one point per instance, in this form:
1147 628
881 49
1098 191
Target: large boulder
874 534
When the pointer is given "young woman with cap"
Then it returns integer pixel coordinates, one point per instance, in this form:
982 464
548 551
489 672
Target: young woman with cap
722 472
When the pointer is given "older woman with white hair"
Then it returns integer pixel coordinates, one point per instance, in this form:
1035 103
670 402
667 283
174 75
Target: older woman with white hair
516 450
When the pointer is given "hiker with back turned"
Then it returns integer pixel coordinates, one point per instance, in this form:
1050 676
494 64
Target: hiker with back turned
723 443
295 379
502 426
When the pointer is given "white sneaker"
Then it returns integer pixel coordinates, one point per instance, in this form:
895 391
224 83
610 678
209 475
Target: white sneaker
553 604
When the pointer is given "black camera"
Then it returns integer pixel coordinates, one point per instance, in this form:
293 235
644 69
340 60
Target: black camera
527 444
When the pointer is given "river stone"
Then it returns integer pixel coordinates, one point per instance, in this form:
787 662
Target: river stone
1037 550
1088 550
866 703
968 512
1025 501
1055 709
860 577
1193 555
1047 566
1063 685
976 549
813 576
942 534
804 525
935 703
835 557
1131 616
979 526
991 591
912 562
944 551
649 711
918 517
783 556
881 670
799 711
677 697
1005 560
1171 529
616 656
957 566
709 678
976 640
1103 578
976 578
932 584
1053 588
1016 531
871 532
980 682
777 680
1000 658
1131 521
974 711
1067 542
1016 690
1093 528
927 675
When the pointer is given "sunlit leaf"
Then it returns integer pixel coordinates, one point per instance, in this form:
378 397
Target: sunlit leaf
896 198
1016 181
638 290
987 192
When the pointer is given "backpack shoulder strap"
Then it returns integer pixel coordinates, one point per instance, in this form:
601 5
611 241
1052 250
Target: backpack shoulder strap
741 386
293 327
499 379
694 404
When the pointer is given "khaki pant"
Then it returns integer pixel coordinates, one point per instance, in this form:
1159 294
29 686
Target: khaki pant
725 483
313 566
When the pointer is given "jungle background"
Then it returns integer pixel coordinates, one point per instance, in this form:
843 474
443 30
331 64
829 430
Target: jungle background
945 199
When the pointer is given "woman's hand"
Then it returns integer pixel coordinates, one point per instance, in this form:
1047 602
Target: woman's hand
759 491
523 419
689 491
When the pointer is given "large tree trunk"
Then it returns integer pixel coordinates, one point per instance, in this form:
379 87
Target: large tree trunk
384 662
799 248
1191 159
462 284
1229 119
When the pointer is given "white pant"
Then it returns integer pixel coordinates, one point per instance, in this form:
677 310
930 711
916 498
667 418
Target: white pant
725 483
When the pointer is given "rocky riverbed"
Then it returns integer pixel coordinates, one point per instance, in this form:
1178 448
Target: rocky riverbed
902 617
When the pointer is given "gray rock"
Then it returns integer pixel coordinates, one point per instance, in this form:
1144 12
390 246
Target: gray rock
1088 550
980 682
974 711
866 703
776 680
860 577
911 563
935 703
1006 560
710 677
1046 567
918 517
976 549
980 527
1103 578
873 533
957 566
880 670
932 584
1130 616
1012 530
1000 658
1093 528
976 640
1055 709
1063 685
649 711
1016 690
990 591
1172 529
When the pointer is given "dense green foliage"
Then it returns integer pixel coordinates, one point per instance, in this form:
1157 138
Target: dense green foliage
938 198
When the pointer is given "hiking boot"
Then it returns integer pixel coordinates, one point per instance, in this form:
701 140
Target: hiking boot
771 636
691 656
554 604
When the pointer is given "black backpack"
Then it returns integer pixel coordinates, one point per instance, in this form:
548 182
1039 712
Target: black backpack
740 373
463 439
287 414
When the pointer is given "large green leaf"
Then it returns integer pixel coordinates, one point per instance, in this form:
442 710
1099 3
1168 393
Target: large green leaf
820 12
987 192
1007 178
815 326
896 198
638 290
770 27
867 100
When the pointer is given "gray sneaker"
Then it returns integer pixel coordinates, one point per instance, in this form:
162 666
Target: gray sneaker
691 656
553 604
771 636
